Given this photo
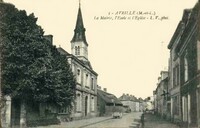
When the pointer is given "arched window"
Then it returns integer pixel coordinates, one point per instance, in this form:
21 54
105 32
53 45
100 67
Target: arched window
78 75
78 50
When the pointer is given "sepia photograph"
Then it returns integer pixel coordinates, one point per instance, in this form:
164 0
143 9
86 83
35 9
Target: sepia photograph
99 64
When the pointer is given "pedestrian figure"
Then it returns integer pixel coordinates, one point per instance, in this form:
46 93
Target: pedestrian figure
142 120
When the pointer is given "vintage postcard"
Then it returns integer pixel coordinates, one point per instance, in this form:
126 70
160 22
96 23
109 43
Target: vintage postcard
100 63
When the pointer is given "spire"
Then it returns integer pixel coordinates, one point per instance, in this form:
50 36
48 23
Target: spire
79 31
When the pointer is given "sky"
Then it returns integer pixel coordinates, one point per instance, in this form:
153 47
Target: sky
127 38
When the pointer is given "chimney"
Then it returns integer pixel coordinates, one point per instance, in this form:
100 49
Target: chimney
105 89
49 38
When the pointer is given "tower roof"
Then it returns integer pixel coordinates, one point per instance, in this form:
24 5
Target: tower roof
79 31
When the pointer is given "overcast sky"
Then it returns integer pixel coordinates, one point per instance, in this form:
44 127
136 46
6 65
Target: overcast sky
128 54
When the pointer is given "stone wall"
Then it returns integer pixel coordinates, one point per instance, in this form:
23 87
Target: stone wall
6 113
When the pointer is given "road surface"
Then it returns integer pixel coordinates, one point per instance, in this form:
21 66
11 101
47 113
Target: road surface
123 122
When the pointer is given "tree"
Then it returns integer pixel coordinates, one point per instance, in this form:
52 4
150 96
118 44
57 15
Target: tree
32 69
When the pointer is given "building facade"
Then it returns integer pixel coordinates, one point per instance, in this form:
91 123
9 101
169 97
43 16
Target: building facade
174 73
184 69
161 100
131 102
85 105
189 78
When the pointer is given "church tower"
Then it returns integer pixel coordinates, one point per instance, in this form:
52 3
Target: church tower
79 45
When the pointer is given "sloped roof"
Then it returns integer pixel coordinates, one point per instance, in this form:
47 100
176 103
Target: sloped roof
180 26
140 99
83 63
108 98
62 51
128 98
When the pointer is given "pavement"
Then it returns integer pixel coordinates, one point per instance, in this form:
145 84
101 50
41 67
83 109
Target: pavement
154 121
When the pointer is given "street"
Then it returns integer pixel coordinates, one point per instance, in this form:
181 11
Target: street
129 120
124 122
99 122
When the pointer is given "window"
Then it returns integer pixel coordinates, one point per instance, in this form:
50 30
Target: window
176 76
176 105
78 103
78 50
78 75
92 103
86 79
184 108
92 83
185 69
63 110
78 72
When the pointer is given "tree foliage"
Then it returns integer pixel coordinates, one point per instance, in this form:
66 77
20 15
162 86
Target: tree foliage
32 68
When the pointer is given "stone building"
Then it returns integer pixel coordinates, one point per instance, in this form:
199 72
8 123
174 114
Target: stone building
184 69
131 102
142 104
86 88
174 72
161 95
188 51
149 103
